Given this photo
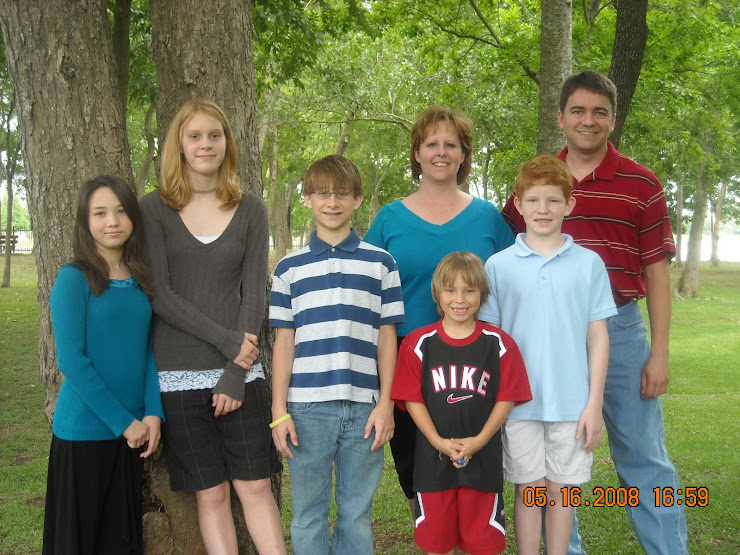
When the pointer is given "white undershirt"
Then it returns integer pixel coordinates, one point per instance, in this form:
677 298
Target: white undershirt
205 239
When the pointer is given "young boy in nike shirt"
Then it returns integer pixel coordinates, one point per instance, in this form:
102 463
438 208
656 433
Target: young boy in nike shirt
553 297
459 378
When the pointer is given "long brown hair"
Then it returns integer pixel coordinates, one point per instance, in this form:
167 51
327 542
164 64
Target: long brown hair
174 187
86 256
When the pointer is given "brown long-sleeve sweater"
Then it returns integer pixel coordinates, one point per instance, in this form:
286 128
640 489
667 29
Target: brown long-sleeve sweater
206 295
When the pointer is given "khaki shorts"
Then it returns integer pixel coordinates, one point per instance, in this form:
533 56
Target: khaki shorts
534 449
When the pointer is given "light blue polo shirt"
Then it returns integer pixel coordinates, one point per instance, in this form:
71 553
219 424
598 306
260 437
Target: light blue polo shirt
545 304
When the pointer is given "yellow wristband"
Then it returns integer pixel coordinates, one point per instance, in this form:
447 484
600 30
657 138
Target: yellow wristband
280 420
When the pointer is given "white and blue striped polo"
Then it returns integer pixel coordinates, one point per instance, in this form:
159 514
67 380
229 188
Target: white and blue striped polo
336 298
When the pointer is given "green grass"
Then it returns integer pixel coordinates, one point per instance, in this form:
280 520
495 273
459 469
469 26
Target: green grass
701 414
24 433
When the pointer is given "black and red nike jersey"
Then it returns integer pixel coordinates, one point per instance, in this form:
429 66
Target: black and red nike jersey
459 381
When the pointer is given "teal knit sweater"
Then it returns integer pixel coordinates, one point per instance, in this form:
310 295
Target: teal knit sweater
105 355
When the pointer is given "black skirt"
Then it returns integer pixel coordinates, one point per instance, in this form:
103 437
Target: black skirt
93 498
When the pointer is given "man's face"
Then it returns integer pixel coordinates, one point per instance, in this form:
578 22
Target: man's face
587 121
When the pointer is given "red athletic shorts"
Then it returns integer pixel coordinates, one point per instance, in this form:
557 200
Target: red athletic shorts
467 518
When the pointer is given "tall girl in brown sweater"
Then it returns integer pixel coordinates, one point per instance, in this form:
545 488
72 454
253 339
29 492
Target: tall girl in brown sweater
207 243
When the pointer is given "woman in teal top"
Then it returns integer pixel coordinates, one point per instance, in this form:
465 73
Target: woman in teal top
108 414
422 228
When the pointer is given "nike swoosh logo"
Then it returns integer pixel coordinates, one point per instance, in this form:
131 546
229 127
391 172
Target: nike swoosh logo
451 399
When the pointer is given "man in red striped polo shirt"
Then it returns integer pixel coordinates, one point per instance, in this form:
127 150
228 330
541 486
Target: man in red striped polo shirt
621 214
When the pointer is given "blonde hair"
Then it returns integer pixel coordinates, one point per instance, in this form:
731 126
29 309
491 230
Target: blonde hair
174 187
550 169
470 268
426 122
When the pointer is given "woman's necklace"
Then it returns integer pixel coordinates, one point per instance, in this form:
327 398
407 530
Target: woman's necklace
203 191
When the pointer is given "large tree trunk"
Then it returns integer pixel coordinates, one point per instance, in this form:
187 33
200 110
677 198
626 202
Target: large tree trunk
204 50
688 283
121 48
556 39
630 40
69 116
716 223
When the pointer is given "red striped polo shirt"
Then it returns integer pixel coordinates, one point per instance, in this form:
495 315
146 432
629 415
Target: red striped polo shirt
621 214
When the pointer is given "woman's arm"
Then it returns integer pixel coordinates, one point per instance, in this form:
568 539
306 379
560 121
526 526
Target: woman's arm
254 270
253 297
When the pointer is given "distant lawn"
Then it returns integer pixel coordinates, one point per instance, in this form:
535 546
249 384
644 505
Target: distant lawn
701 417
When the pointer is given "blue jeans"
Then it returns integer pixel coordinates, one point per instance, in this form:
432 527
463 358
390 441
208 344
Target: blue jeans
636 439
331 432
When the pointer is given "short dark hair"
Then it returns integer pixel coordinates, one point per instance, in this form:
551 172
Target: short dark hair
333 172
425 124
592 81
86 256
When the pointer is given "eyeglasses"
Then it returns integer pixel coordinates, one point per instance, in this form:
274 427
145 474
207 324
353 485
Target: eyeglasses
341 194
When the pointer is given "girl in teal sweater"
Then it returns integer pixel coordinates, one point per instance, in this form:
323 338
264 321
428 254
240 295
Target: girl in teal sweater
108 414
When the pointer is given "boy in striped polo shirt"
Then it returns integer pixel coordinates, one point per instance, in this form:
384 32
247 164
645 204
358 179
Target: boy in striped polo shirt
335 304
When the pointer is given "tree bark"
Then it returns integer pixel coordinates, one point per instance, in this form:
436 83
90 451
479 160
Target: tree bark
121 48
283 210
688 282
630 41
374 204
12 153
345 133
484 173
556 52
679 221
70 121
273 168
204 50
11 164
716 223
150 151
8 231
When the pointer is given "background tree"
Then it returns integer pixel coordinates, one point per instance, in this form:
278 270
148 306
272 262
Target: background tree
204 49
8 170
11 165
556 53
71 127
630 41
